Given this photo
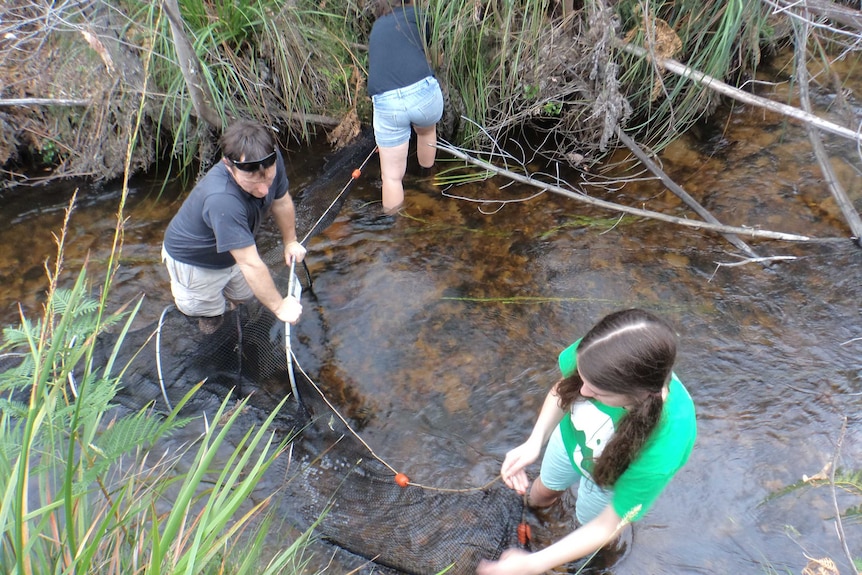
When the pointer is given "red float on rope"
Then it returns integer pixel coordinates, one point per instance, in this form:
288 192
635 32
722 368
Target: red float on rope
524 534
402 480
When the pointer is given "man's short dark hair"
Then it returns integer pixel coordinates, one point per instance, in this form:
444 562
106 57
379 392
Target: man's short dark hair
381 8
247 140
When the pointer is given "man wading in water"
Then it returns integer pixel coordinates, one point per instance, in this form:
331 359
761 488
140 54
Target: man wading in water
209 248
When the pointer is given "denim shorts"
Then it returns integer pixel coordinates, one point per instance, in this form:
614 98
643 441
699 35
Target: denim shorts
558 474
395 111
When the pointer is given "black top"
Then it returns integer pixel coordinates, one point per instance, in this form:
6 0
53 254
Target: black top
396 50
219 216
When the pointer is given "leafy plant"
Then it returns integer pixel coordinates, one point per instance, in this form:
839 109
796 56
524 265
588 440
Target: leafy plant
83 494
849 481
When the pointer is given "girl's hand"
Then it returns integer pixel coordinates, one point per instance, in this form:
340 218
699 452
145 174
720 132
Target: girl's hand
512 562
512 470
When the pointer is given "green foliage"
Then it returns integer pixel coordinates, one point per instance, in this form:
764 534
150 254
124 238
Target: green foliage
847 480
720 39
552 108
517 64
81 495
506 65
263 59
49 153
531 91
486 49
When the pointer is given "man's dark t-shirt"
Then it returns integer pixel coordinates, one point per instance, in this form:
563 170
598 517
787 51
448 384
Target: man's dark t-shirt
396 51
218 216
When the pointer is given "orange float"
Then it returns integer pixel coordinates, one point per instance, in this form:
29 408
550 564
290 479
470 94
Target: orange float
402 480
524 534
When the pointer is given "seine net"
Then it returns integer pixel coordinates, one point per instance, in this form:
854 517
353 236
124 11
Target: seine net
327 472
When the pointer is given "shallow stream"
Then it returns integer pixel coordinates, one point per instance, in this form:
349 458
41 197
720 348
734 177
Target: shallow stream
438 330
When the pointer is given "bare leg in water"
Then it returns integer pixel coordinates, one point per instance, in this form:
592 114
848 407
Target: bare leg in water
540 496
393 165
426 139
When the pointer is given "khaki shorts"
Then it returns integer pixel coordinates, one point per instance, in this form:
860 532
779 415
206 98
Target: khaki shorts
202 292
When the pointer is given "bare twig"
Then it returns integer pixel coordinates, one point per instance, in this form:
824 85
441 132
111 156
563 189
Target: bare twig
43 102
754 261
843 15
838 524
719 265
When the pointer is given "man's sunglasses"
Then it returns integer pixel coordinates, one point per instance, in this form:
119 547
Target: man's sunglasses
256 165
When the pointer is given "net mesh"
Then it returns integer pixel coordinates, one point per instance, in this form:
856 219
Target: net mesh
327 472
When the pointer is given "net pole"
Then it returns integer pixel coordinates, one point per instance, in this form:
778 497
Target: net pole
291 287
159 358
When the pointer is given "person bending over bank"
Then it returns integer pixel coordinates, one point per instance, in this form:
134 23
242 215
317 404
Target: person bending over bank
619 423
209 247
404 93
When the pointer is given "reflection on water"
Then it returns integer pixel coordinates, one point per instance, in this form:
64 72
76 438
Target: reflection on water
438 330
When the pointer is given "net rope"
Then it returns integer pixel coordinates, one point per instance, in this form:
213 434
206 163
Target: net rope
329 477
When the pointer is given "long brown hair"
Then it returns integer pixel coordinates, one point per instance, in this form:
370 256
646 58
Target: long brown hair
629 352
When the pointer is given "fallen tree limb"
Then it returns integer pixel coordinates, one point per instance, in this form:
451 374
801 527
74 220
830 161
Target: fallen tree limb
302 117
43 102
682 194
698 225
190 68
838 193
740 95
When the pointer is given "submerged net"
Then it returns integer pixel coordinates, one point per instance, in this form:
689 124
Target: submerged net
328 469
327 472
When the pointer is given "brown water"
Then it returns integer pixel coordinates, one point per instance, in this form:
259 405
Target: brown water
440 331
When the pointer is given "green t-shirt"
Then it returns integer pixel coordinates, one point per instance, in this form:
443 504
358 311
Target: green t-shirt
591 424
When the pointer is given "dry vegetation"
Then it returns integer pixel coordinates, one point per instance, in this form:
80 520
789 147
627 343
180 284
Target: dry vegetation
571 79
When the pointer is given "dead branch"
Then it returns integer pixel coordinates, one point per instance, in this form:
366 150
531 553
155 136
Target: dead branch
722 229
43 102
843 15
850 214
682 194
190 67
754 260
719 265
722 88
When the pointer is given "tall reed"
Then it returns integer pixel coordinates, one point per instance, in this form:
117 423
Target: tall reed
81 490
721 39
277 62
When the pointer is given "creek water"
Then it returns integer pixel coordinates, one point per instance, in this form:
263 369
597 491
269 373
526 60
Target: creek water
438 330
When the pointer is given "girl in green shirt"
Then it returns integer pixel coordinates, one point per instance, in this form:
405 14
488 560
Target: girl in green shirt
619 423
